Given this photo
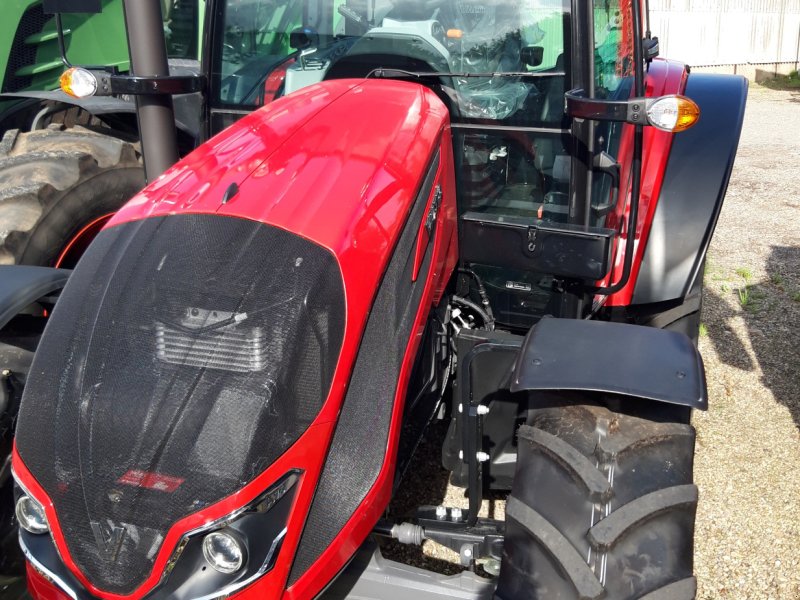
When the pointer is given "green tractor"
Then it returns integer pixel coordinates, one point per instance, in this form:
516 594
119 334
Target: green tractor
66 165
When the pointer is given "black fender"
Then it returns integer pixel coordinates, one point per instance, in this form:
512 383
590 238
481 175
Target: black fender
695 181
22 285
188 107
614 358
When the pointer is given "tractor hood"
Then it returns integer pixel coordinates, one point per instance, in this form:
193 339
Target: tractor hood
201 350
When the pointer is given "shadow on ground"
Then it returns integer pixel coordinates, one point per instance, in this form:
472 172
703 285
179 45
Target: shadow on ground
771 312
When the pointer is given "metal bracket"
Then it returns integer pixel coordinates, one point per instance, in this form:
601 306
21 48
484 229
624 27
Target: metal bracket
580 106
111 84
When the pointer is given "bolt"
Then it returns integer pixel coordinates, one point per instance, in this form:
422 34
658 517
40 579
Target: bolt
461 455
455 514
492 567
482 456
482 409
441 513
467 552
537 361
460 408
6 373
680 374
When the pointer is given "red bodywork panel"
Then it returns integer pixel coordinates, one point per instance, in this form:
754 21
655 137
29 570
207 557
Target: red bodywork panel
664 77
349 189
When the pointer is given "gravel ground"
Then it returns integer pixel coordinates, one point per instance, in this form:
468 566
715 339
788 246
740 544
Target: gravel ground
748 444
747 542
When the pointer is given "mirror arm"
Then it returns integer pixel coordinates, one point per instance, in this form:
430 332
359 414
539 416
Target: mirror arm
579 106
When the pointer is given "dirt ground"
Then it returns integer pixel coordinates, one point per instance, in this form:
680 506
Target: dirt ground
748 444
747 466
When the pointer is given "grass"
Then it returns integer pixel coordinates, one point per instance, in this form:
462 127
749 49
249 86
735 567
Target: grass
745 274
776 279
744 296
749 298
784 82
703 330
796 296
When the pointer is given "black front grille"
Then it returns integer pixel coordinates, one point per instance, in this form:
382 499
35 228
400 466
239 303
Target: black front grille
185 355
32 22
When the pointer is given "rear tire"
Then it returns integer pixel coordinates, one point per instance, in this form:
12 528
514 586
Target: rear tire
602 506
53 183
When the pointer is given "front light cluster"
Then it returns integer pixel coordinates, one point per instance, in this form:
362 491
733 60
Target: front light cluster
30 515
223 551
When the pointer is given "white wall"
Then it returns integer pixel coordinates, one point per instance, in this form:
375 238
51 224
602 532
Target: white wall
715 32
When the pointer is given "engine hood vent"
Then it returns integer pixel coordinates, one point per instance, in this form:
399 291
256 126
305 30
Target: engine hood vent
213 339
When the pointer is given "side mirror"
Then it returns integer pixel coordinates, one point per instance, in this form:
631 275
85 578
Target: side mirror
303 38
532 56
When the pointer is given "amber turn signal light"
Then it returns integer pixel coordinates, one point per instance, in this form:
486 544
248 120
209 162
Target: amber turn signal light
78 82
673 113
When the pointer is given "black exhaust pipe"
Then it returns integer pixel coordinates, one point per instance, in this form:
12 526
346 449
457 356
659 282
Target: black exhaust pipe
148 51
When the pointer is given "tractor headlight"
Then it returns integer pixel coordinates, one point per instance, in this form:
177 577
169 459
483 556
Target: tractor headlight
672 113
223 551
30 515
78 82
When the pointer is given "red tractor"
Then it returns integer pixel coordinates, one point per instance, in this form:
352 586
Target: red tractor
486 213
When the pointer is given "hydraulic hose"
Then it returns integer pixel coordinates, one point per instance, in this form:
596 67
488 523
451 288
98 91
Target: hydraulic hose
488 321
481 291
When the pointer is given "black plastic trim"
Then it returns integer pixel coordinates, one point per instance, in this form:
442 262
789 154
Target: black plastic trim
22 285
694 186
361 438
572 251
615 358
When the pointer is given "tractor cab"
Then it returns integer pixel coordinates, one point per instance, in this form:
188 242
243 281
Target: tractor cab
501 68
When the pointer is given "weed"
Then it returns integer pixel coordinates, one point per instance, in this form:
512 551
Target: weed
703 330
776 279
745 274
796 296
784 82
744 296
725 288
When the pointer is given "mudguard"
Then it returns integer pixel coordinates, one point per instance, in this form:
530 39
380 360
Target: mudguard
615 358
21 285
695 182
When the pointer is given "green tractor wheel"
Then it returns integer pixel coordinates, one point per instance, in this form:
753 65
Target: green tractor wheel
55 186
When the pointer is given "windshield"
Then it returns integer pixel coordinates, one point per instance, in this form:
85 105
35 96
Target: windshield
269 48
